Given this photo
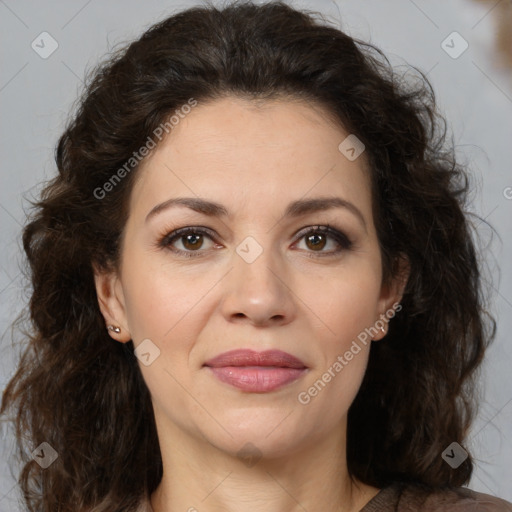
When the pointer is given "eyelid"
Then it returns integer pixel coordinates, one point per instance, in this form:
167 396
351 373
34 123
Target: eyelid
174 233
336 234
322 228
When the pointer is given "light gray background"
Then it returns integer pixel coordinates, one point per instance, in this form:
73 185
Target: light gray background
474 93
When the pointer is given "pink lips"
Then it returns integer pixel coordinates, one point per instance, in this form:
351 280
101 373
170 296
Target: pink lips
256 372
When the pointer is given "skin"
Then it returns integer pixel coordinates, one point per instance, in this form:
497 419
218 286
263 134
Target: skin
253 158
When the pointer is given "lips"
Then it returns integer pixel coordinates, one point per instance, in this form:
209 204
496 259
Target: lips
256 372
274 358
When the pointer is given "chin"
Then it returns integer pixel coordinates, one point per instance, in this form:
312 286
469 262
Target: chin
266 440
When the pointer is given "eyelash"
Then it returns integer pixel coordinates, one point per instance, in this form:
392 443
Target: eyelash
344 242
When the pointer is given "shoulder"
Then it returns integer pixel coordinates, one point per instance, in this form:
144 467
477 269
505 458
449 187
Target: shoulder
456 499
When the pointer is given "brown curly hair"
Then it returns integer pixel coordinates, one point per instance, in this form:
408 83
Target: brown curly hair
85 395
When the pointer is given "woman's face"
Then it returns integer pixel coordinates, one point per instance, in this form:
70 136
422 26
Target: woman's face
255 275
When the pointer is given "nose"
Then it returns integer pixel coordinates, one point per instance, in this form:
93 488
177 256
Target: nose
259 292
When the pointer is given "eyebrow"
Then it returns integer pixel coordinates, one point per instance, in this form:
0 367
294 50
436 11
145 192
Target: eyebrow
294 209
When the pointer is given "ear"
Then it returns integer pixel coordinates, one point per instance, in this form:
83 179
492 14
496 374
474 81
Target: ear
392 293
111 301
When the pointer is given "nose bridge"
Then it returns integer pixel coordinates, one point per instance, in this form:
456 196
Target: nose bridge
257 285
255 265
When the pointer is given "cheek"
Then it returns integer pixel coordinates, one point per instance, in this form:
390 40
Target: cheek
345 303
164 305
159 298
163 300
346 308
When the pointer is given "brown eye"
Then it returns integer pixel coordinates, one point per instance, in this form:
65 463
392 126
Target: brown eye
318 238
192 242
316 241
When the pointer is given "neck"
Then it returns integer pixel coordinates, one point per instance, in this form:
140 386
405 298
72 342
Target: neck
199 477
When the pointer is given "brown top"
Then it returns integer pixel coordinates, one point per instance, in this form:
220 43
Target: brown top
408 498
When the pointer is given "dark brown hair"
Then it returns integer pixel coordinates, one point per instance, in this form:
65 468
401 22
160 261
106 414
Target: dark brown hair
84 394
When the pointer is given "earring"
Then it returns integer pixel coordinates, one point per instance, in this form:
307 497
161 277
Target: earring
114 328
383 329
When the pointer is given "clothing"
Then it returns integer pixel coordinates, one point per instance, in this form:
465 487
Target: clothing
407 498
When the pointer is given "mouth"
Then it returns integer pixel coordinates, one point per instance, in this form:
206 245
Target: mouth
256 372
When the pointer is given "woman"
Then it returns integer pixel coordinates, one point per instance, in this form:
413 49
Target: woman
254 284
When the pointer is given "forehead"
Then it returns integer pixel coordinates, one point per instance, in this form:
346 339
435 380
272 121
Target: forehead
243 150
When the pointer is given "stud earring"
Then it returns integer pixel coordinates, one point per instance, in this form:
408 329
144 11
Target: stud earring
114 328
